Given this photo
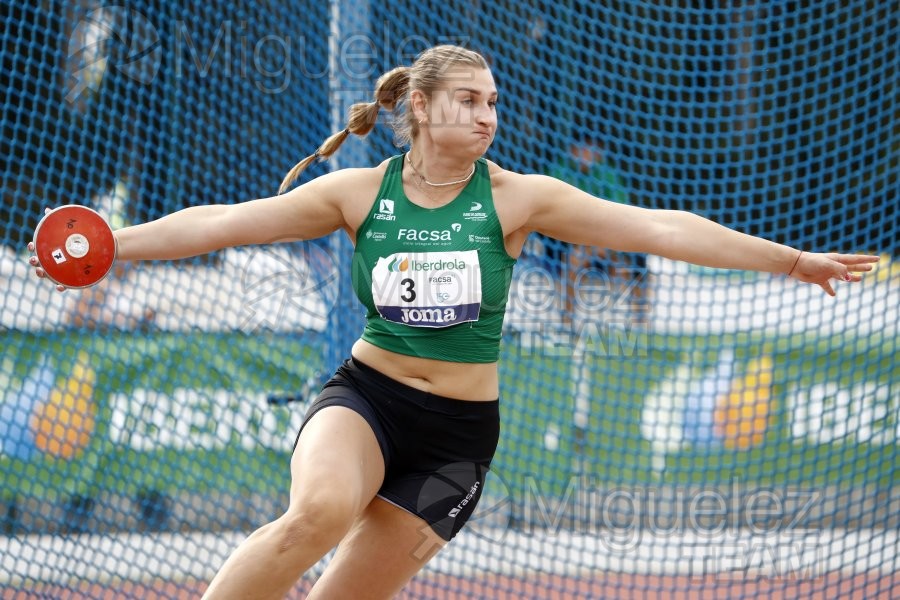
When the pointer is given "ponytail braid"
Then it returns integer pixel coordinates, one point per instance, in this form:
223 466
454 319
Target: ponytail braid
391 90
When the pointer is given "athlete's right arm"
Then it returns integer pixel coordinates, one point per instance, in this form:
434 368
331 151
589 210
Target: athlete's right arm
311 210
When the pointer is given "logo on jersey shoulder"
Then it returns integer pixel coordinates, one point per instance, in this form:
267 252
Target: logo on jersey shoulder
386 210
376 236
475 213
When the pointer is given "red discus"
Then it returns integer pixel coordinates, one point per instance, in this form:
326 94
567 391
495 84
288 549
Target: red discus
75 246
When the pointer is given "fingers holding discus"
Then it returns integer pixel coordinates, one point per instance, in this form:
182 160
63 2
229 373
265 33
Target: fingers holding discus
74 247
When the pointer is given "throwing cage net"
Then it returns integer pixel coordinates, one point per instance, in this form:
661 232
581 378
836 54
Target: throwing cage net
668 430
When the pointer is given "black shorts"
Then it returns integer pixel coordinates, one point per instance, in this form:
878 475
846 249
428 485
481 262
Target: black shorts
437 451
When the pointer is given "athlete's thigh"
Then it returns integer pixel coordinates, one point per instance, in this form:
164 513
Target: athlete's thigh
337 453
385 548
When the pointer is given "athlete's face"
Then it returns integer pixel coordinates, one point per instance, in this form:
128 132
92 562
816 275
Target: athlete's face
463 112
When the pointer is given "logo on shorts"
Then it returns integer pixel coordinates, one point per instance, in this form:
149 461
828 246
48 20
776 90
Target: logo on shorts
456 509
450 494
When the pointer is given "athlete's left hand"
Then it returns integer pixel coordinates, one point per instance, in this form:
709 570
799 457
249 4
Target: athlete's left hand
820 269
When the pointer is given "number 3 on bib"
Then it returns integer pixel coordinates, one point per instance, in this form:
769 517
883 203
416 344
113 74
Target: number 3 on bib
428 289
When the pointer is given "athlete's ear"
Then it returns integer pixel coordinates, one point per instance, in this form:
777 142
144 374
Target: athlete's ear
418 104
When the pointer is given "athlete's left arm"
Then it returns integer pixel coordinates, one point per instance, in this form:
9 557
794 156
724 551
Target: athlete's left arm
562 211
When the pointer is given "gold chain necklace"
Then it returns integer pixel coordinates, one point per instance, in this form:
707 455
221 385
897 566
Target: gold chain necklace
449 183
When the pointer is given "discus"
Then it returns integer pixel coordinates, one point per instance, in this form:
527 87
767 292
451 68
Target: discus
75 246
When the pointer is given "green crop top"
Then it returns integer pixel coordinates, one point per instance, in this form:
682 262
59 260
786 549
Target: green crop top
435 282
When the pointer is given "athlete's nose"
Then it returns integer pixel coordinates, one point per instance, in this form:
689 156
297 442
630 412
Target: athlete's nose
485 117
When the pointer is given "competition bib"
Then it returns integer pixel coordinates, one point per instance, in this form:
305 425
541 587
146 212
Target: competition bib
428 289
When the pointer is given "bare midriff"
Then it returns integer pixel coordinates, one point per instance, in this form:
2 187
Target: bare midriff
462 381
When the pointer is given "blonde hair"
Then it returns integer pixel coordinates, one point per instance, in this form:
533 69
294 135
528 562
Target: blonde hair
426 74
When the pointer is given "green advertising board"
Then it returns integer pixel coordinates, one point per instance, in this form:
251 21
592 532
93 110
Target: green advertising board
179 412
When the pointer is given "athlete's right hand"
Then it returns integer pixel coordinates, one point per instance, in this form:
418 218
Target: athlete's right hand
33 261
